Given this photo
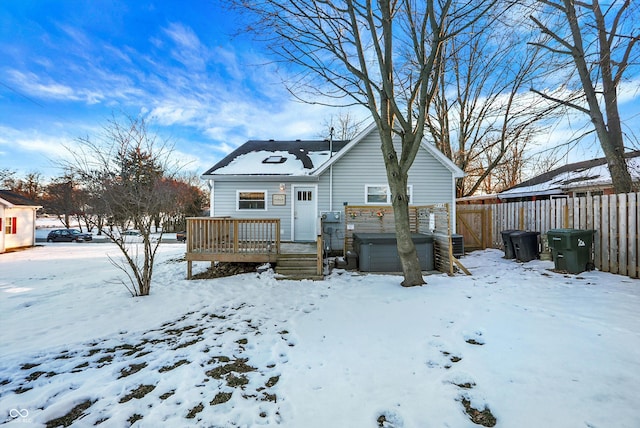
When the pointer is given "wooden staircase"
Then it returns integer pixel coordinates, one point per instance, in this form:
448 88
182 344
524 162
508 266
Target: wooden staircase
298 266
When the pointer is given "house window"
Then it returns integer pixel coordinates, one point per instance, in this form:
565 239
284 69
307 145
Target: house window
10 225
380 194
376 194
305 195
252 200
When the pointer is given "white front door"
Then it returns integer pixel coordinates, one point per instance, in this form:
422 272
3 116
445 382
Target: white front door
304 213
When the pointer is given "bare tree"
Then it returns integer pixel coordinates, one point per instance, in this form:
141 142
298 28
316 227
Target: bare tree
483 116
31 186
61 197
127 170
597 48
383 55
342 126
189 201
7 178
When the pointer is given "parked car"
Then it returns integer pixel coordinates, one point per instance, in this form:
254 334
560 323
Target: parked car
181 236
68 235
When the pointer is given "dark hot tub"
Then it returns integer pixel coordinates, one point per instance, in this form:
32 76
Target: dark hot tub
378 252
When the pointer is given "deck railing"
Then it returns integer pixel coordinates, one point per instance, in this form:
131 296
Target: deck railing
227 239
210 235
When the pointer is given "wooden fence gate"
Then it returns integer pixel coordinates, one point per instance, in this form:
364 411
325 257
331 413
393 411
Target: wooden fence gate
475 227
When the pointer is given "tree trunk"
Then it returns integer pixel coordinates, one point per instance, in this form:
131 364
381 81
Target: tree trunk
606 123
400 201
406 248
609 130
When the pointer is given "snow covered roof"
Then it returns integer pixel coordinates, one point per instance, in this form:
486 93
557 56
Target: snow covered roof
592 173
302 159
276 158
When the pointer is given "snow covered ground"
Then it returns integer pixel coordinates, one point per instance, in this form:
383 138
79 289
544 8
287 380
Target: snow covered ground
534 347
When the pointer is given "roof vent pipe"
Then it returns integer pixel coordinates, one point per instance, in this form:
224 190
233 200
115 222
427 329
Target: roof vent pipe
331 142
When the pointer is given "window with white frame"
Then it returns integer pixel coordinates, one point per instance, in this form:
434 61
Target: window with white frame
252 200
376 194
11 226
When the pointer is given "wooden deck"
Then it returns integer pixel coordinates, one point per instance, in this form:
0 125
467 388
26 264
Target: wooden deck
242 240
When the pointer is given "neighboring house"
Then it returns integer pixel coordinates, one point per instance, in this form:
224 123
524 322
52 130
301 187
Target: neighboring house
301 181
586 178
17 221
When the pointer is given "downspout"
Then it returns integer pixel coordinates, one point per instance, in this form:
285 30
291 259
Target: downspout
33 229
453 218
331 170
211 202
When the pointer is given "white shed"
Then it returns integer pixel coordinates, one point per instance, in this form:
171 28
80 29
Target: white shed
17 221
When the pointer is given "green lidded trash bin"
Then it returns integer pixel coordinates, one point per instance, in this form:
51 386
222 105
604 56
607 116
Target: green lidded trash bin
571 249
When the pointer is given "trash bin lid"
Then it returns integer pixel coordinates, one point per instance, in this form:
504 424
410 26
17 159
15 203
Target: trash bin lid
508 232
522 233
561 230
569 231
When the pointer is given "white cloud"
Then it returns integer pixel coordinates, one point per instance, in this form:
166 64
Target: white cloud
629 91
189 50
30 84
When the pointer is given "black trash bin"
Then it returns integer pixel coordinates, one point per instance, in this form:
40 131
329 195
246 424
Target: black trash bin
525 245
509 252
571 249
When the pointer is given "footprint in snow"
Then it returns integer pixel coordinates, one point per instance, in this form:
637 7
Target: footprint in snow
474 338
389 419
440 356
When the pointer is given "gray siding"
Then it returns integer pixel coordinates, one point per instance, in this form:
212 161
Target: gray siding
432 182
224 194
363 165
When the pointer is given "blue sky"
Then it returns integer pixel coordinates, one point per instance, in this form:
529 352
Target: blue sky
67 66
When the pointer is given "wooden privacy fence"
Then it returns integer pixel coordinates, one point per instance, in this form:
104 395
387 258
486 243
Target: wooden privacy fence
615 218
430 219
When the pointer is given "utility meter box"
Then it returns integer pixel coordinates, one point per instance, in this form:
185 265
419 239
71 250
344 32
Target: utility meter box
330 216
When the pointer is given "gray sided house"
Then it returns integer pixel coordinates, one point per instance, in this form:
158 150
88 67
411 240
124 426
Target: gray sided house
300 182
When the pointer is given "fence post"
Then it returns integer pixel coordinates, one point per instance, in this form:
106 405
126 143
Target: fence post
633 235
521 219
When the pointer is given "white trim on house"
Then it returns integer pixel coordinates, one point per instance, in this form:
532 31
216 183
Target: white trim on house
448 163
266 200
293 206
367 194
335 158
388 193
212 198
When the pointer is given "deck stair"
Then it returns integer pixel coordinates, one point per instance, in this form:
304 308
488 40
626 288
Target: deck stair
297 266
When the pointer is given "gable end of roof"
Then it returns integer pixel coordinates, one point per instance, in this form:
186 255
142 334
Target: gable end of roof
14 199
